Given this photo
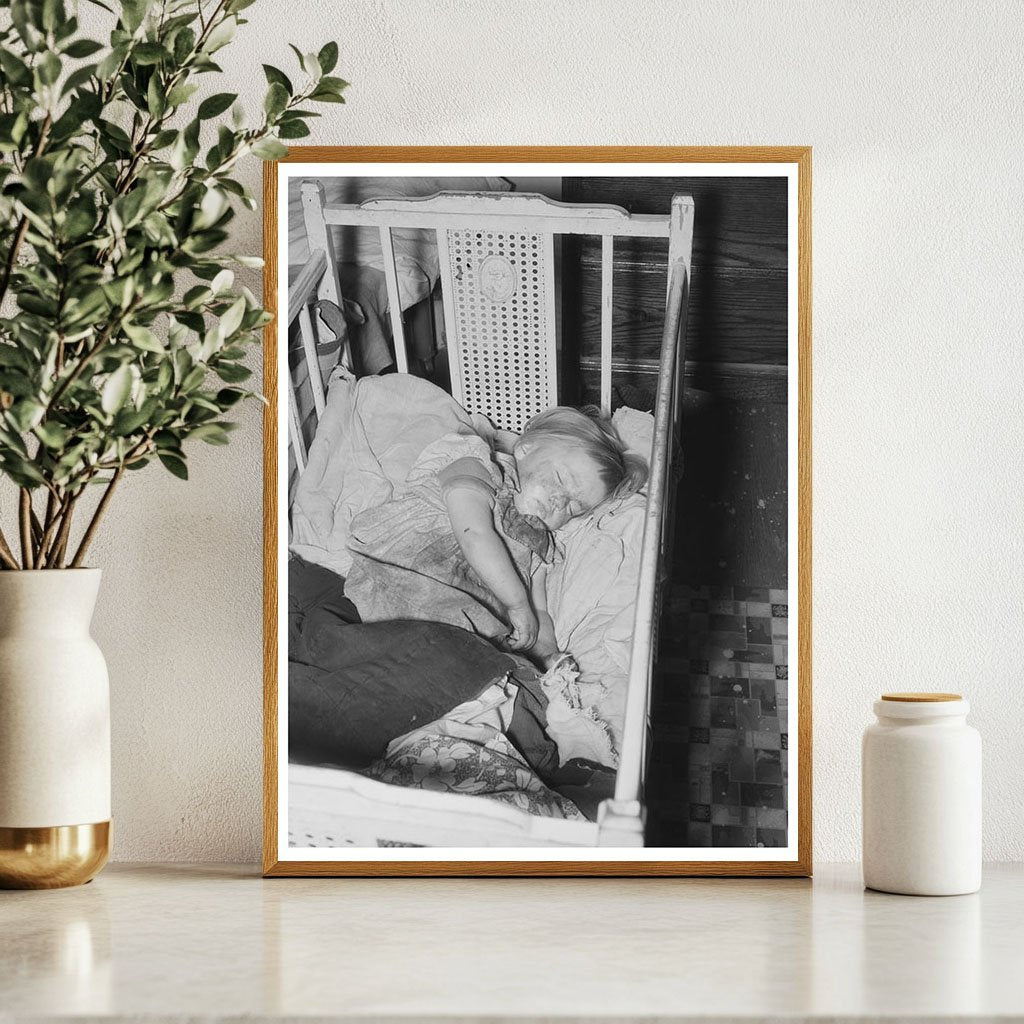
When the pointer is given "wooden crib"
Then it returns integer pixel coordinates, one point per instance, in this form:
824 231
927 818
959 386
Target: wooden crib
497 262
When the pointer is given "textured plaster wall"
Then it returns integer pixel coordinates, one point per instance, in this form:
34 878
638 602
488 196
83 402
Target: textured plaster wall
914 113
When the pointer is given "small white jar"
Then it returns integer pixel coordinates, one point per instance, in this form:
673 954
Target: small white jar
921 779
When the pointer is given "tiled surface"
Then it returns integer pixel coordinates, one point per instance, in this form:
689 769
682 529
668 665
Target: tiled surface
719 761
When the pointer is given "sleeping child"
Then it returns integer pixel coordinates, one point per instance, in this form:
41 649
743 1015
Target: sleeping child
467 537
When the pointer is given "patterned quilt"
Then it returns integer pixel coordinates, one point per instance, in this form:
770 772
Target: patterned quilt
467 751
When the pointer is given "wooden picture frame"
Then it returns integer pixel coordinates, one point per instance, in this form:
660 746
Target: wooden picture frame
593 172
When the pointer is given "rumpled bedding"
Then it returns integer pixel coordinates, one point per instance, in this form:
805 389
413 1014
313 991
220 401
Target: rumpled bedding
405 557
370 436
468 751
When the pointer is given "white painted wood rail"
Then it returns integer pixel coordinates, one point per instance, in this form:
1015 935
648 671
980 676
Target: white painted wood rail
451 215
632 766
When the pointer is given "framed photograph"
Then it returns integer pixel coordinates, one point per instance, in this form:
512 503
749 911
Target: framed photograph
538 511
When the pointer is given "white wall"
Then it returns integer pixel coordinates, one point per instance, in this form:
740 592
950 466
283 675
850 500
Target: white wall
914 113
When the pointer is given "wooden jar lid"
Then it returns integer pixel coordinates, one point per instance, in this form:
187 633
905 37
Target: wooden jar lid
921 698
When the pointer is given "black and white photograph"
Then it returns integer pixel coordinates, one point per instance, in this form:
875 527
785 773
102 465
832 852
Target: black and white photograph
537 516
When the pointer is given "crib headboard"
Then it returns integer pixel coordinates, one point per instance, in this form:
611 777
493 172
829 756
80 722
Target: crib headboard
496 255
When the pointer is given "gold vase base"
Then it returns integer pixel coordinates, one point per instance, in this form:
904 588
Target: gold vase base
52 857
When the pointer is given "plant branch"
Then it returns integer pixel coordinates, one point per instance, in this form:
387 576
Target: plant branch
25 522
22 229
6 554
94 523
54 509
87 357
60 543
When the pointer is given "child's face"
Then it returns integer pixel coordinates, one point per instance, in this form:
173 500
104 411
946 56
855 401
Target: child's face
556 483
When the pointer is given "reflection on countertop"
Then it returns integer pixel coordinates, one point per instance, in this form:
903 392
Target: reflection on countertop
177 941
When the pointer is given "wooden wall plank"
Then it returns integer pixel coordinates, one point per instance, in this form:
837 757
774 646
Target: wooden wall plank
733 318
739 223
635 384
739 300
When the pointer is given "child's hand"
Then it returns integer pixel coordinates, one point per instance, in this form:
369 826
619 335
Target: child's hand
524 627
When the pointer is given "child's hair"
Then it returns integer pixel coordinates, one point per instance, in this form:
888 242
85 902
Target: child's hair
621 471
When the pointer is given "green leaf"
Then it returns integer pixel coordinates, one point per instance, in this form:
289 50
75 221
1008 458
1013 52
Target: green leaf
109 65
184 44
163 139
116 390
133 12
144 338
83 48
325 96
156 100
311 65
174 464
12 356
232 373
53 435
293 130
26 414
276 99
334 84
129 207
269 149
328 57
14 68
26 20
216 104
149 53
77 79
211 433
232 319
128 421
181 94
227 397
221 35
193 379
49 68
21 471
222 282
115 133
278 77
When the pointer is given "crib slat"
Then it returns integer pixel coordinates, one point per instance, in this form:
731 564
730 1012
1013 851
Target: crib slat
320 241
305 285
295 429
607 243
316 380
394 299
450 324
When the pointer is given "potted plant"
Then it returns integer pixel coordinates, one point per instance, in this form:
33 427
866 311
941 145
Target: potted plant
122 339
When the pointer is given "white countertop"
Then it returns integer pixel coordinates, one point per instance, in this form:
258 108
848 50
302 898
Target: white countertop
180 941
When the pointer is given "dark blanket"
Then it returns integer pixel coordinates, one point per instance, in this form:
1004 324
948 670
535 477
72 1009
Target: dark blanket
353 687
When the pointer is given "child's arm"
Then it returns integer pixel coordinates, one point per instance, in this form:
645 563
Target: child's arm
546 647
469 511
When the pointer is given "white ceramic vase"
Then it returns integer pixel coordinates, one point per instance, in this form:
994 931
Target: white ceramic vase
54 731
